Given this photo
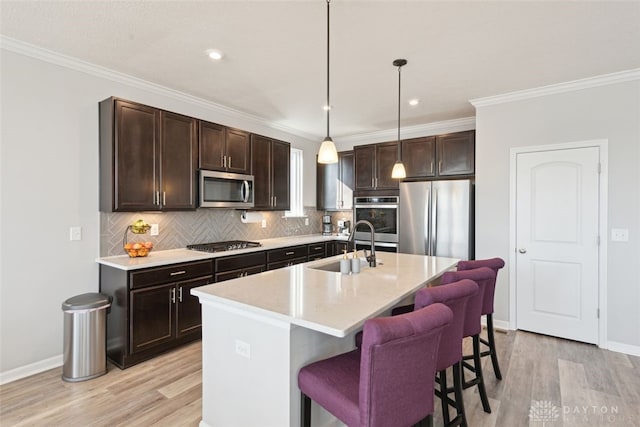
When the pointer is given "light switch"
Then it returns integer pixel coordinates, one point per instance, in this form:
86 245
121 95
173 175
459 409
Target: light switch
75 233
619 235
264 223
155 230
243 349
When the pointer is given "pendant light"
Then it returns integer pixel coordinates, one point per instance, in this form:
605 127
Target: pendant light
328 152
398 171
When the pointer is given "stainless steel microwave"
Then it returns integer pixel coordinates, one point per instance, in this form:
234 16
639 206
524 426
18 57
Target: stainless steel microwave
225 190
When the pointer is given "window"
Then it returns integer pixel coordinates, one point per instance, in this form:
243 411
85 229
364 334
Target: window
295 190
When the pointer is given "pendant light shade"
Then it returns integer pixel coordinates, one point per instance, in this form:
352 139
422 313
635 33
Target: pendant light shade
328 152
398 171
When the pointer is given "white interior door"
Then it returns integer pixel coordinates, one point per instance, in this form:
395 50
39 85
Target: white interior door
557 242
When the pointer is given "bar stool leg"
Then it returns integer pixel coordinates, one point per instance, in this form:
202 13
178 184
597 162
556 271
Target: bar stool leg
492 347
305 410
477 365
443 397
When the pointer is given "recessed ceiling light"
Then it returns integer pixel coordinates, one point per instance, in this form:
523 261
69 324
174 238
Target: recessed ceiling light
414 102
214 54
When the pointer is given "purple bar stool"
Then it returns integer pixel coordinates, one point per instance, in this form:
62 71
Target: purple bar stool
472 327
455 296
487 307
389 382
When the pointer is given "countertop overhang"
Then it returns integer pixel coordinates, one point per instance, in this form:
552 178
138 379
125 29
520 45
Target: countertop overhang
325 301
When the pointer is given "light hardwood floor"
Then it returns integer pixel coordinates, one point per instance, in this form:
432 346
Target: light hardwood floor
569 384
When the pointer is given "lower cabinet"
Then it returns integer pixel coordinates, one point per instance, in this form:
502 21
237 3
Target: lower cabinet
316 251
152 309
284 257
232 267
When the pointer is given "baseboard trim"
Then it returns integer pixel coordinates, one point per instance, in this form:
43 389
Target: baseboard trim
498 325
619 347
32 369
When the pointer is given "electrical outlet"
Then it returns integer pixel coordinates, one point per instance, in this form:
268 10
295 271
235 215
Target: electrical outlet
75 233
243 349
306 221
264 223
619 235
155 230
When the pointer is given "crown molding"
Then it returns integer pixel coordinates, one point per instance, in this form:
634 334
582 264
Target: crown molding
33 51
589 82
435 128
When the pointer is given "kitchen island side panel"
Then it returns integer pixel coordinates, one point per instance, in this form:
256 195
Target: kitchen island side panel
250 365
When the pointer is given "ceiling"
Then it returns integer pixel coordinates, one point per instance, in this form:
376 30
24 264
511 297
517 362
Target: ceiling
275 51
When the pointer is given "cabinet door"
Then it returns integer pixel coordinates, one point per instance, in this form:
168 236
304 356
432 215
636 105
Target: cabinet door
386 156
327 186
261 170
280 170
238 151
456 153
364 161
178 161
345 180
188 315
136 157
212 146
151 317
418 156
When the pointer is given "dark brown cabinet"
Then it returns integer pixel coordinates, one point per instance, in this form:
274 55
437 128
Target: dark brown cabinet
147 158
285 257
316 251
270 164
235 266
335 184
224 149
456 153
373 166
152 309
419 157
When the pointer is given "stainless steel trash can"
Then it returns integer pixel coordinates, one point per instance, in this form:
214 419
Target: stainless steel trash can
85 322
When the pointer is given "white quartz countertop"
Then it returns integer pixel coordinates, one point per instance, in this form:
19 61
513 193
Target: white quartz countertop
174 256
325 301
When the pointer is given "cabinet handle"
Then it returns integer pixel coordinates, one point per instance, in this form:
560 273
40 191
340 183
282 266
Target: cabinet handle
229 161
275 201
289 253
373 184
157 198
431 168
173 295
440 166
177 273
224 161
318 248
180 294
164 197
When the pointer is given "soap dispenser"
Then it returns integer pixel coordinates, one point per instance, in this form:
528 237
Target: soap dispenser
345 264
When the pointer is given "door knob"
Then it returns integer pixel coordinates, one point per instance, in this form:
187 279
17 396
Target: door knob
522 251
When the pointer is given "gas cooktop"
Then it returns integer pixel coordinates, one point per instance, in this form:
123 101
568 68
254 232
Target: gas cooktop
229 245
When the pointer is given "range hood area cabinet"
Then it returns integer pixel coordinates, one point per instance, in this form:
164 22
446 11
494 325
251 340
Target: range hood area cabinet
373 166
270 165
335 184
148 158
224 149
440 156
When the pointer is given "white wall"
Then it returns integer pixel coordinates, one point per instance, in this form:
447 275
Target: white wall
49 182
610 112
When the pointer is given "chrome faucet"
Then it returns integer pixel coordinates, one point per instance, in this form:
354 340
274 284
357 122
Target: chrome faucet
371 258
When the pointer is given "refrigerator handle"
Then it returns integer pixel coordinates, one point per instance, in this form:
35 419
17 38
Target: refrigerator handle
434 223
427 222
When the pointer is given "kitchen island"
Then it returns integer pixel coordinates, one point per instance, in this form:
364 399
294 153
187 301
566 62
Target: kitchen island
258 331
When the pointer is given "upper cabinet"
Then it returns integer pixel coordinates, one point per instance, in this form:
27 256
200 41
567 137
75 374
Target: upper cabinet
419 157
224 149
270 164
455 153
335 184
148 158
373 166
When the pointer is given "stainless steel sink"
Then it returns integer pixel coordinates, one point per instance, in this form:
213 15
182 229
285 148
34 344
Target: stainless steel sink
334 266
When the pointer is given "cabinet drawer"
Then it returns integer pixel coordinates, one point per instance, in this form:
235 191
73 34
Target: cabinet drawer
234 274
170 273
283 254
316 249
286 263
237 262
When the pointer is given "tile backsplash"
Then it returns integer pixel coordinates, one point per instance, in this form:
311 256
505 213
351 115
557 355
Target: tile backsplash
179 229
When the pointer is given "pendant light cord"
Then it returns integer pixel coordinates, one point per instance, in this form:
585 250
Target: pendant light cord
399 79
328 106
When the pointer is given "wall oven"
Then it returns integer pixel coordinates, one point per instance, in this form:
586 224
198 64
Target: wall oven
382 212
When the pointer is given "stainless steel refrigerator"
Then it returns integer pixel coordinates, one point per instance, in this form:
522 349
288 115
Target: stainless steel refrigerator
436 218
